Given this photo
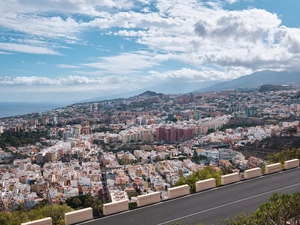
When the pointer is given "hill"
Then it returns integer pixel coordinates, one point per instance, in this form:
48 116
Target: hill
149 94
257 79
271 87
269 146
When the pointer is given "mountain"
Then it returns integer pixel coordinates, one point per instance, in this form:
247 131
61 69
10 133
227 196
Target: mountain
149 94
165 88
257 79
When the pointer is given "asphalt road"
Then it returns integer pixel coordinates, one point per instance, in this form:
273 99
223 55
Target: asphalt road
208 207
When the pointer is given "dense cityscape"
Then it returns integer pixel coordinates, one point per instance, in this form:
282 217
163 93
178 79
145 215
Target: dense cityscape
147 112
121 148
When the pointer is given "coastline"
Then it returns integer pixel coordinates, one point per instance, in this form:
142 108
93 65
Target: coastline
9 109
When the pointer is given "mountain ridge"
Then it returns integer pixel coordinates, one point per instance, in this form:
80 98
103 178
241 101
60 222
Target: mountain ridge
255 80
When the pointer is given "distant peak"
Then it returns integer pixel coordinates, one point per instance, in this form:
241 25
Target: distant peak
149 94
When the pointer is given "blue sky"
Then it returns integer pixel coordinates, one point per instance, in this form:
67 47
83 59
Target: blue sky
70 50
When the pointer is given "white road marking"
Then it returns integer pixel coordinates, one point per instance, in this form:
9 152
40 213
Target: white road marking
231 203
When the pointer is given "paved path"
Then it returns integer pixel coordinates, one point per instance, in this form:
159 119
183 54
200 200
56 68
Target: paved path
209 206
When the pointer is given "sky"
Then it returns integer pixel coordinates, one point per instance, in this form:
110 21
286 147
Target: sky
71 50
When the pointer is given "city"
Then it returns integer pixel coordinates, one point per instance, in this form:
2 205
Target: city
119 149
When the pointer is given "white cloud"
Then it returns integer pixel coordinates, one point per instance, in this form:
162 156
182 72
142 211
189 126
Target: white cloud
85 7
13 47
125 63
232 1
5 53
113 82
219 44
66 66
205 74
41 26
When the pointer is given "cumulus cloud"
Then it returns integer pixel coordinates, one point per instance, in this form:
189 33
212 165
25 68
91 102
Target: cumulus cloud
137 81
218 44
203 75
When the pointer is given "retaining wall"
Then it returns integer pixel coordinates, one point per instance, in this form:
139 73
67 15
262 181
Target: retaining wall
115 207
251 173
45 221
273 168
291 164
205 184
148 199
178 191
230 178
78 216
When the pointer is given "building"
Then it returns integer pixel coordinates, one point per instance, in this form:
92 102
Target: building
161 134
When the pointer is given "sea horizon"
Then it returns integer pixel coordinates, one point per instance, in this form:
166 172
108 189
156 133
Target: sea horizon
8 109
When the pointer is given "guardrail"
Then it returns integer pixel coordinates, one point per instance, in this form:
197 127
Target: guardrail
45 221
115 207
273 168
78 216
251 173
205 184
291 164
148 199
179 191
230 178
142 200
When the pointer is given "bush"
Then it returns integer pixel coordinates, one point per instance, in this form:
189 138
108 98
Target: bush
132 205
206 173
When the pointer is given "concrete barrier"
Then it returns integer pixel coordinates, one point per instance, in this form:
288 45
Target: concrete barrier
230 178
148 199
45 221
273 168
251 173
205 184
291 164
78 216
178 191
115 207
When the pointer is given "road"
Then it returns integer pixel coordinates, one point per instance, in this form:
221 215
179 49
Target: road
208 207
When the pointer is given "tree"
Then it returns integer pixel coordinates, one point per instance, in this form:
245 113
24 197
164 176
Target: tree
206 173
284 155
56 212
279 210
74 203
84 201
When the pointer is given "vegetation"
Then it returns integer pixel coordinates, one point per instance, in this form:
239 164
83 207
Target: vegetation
132 205
281 209
18 139
84 201
197 158
233 126
269 146
56 212
285 155
206 173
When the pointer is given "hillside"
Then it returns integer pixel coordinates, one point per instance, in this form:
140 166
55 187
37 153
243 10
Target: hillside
150 94
269 146
257 79
271 87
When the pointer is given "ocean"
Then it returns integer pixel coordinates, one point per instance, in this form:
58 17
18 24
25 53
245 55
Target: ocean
20 108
